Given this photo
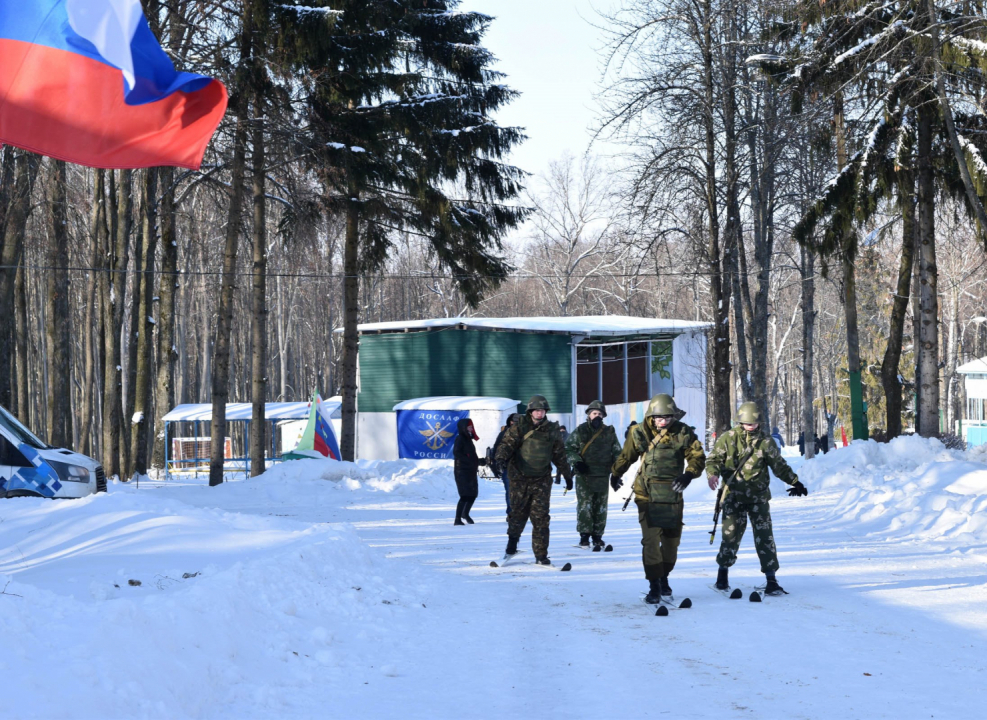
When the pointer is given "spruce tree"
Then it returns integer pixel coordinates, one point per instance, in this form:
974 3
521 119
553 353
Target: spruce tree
399 98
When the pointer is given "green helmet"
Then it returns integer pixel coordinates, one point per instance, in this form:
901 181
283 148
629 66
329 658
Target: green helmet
662 404
748 413
597 405
538 402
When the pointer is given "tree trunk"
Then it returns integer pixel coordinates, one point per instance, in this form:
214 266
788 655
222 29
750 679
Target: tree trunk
258 371
118 257
928 359
719 300
164 394
18 211
351 294
133 333
224 311
57 327
144 293
808 331
21 340
890 372
94 294
953 405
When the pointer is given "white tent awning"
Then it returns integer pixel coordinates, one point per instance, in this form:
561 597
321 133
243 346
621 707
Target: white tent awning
458 402
202 412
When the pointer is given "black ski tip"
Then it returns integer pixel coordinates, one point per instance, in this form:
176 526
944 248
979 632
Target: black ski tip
596 548
566 568
493 564
662 611
755 597
736 594
608 548
687 603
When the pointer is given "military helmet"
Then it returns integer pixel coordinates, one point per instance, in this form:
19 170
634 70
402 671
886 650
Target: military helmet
662 404
748 413
538 402
597 405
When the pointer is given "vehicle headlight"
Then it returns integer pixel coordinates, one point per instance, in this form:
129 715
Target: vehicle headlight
70 473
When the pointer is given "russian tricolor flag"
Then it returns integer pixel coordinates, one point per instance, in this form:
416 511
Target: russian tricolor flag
86 81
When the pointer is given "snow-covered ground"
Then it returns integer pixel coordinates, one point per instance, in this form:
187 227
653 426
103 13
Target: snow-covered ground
337 590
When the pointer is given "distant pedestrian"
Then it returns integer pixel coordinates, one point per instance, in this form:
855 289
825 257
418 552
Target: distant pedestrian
802 443
592 449
502 470
628 430
565 436
466 467
776 434
824 443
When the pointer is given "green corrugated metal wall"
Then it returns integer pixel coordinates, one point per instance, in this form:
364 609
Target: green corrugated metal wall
402 366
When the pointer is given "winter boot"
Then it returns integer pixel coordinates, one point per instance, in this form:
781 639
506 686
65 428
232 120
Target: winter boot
772 587
511 546
543 560
654 593
468 519
458 522
583 540
597 543
666 590
722 582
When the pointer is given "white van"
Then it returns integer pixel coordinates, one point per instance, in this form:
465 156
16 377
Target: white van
30 467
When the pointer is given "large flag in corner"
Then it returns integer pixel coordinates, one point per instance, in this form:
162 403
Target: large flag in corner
86 81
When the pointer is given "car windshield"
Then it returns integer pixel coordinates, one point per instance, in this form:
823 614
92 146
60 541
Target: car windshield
13 426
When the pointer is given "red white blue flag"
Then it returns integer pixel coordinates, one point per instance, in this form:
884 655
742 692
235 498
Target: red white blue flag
87 82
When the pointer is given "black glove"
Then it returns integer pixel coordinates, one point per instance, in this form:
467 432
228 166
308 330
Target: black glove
581 468
568 483
798 489
481 461
680 483
616 483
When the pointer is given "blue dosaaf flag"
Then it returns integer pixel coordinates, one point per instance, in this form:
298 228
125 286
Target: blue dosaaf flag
428 434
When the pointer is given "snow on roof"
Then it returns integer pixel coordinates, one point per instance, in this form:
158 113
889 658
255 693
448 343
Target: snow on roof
974 366
244 411
580 325
458 402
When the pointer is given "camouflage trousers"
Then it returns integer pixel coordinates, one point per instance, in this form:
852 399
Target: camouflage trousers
659 546
530 498
591 508
736 510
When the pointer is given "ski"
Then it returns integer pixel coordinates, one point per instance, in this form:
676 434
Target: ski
607 548
504 560
668 603
760 589
565 568
732 593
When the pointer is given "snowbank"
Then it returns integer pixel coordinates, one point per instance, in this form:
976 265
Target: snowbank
911 486
138 605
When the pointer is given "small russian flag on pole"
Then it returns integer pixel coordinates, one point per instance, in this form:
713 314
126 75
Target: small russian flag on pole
87 82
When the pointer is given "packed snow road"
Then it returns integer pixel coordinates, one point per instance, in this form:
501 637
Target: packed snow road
349 593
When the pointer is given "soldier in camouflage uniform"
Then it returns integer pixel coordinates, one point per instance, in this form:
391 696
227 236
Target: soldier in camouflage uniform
747 495
531 446
671 458
591 449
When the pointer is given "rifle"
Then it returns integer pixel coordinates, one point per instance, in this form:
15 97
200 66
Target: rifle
723 487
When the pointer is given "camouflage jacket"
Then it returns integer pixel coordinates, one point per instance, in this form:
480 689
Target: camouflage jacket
545 441
666 454
752 480
600 455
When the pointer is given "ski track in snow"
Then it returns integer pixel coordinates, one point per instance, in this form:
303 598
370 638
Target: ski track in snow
359 598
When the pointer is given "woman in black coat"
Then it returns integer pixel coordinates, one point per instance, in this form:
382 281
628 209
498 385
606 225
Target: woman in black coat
467 466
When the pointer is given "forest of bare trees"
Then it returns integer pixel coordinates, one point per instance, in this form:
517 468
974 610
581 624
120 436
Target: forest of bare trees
790 176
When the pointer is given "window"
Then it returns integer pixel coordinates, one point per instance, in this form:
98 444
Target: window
613 374
587 375
10 455
637 372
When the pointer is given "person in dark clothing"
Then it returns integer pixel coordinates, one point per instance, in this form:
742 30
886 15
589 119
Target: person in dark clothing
824 443
802 443
565 436
467 464
628 430
502 471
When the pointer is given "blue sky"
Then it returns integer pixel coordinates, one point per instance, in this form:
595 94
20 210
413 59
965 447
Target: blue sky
550 52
